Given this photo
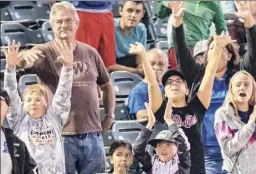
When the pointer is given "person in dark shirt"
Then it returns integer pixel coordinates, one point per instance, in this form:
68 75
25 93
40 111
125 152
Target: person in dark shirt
230 63
187 114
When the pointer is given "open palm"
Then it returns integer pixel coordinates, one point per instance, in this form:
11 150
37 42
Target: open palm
137 48
11 54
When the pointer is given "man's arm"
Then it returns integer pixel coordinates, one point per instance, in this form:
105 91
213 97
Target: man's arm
109 102
27 58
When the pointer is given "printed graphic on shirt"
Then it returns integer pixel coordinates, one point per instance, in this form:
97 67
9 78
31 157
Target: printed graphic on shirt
42 132
189 121
81 67
5 150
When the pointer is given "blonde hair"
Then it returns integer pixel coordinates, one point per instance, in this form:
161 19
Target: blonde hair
36 88
63 5
230 99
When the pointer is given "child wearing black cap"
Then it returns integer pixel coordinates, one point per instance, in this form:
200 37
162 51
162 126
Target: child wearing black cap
172 147
15 157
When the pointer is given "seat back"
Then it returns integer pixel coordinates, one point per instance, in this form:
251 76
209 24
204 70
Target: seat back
28 10
123 83
5 16
18 32
47 32
126 130
26 80
160 27
163 45
2 65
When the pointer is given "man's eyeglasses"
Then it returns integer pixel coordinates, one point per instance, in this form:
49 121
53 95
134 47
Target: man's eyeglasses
170 81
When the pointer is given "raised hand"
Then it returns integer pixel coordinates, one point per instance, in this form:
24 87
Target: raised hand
137 48
168 112
222 41
11 54
177 12
244 13
66 53
151 116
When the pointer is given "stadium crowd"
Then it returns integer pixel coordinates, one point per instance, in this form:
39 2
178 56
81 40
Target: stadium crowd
192 110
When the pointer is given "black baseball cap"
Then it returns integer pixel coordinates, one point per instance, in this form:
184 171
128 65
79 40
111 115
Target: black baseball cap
171 73
164 135
4 94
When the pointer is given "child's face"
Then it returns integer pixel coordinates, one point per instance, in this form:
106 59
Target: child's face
122 159
166 150
4 109
35 104
242 88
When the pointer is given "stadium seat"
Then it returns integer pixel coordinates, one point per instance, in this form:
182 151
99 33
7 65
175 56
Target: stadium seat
126 130
18 32
151 8
123 83
47 32
28 10
2 65
25 80
163 45
160 27
5 16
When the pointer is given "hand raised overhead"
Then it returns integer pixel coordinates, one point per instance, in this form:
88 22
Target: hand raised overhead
244 13
11 54
177 12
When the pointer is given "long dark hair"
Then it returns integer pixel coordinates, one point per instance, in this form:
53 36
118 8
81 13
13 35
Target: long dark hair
115 145
233 64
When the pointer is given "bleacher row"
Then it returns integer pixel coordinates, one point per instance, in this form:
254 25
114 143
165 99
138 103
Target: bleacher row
28 23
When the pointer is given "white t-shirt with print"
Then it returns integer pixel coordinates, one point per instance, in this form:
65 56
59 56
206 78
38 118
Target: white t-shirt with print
6 162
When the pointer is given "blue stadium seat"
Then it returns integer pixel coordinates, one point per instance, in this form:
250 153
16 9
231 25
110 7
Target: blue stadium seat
123 83
25 80
28 10
18 32
47 32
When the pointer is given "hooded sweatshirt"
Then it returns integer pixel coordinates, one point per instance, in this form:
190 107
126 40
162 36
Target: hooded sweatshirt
237 141
42 136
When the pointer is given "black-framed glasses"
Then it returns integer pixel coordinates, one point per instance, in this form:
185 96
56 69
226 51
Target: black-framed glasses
170 81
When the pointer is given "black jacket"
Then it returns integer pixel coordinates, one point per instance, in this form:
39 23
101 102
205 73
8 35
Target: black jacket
145 158
194 72
22 162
